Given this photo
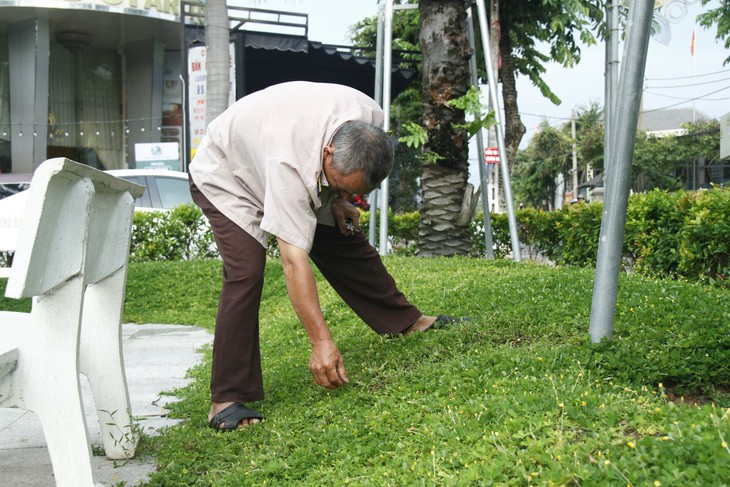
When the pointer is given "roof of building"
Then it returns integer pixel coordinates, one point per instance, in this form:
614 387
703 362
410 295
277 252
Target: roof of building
668 120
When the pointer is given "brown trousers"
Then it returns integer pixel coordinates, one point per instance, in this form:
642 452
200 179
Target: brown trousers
350 264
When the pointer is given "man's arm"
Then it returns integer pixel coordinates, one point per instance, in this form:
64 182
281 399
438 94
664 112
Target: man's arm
326 363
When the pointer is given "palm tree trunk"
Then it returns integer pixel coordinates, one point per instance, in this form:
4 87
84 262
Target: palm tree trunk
445 76
217 58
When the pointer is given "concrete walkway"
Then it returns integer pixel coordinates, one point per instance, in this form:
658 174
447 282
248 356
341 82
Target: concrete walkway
157 358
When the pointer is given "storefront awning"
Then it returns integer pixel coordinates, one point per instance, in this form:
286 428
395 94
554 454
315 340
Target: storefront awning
272 59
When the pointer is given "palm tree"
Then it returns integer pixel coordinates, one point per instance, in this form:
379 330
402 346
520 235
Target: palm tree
217 58
445 76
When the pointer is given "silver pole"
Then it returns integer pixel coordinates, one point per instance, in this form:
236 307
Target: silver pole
610 81
486 217
387 63
378 92
618 172
484 28
575 155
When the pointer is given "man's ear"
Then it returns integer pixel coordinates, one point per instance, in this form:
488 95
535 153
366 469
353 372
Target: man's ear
329 150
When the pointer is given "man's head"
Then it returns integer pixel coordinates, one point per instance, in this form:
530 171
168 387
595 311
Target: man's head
361 147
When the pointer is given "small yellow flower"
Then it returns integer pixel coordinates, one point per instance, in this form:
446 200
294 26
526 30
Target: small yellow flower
724 445
630 444
583 403
607 462
665 438
657 483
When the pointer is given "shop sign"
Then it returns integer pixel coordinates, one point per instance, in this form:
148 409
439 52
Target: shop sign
197 79
162 9
157 155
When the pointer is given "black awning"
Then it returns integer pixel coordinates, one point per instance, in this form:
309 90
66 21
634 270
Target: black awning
594 182
269 59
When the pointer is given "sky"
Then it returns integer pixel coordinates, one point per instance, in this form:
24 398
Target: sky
673 77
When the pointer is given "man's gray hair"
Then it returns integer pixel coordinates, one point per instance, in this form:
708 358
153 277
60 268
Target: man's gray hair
362 146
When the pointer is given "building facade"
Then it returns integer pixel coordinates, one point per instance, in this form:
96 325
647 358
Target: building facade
87 80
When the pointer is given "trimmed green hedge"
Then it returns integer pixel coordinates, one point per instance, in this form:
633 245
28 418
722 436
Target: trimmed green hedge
678 235
180 234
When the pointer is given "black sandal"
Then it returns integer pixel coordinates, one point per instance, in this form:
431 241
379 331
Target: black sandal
442 321
232 415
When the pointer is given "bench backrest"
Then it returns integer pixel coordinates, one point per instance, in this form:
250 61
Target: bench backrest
77 220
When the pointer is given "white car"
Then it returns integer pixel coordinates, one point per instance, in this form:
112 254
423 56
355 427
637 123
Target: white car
164 190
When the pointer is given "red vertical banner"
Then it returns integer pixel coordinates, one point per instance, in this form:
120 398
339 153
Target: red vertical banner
694 40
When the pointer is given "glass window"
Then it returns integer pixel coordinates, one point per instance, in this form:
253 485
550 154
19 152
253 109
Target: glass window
85 107
144 201
4 105
173 191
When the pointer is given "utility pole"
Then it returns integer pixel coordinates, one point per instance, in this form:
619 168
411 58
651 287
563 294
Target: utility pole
575 156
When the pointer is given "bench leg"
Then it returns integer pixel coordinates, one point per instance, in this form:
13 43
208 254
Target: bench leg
49 379
101 360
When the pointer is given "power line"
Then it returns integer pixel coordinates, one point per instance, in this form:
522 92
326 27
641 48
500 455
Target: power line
685 98
687 77
543 116
686 101
686 86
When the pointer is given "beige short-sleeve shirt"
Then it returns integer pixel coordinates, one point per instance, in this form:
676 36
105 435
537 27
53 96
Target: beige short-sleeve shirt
260 162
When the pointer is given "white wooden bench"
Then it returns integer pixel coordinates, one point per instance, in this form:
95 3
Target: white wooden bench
71 258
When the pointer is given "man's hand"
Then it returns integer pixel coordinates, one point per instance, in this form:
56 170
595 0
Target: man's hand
343 211
327 365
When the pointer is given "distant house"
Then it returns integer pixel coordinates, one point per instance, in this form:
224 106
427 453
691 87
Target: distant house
662 123
696 173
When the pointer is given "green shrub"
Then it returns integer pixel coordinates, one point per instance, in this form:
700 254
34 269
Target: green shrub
705 237
500 235
653 224
180 234
579 227
677 235
402 230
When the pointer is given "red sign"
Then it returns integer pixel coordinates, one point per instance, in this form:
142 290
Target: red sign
491 155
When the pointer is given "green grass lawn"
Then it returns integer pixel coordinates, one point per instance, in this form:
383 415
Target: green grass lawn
519 396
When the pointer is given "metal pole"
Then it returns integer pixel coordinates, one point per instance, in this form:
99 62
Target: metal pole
378 92
575 156
486 217
185 94
387 63
610 81
618 173
484 27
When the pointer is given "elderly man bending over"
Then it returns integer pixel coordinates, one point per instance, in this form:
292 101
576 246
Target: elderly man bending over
286 161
